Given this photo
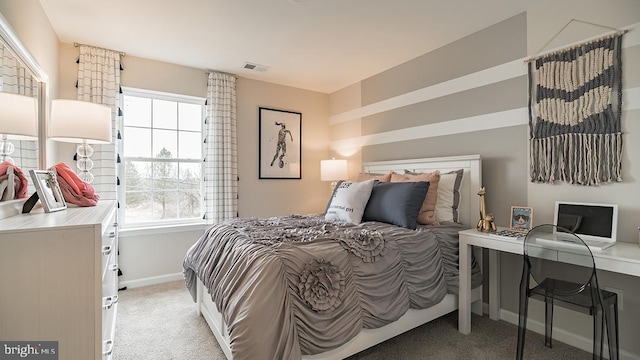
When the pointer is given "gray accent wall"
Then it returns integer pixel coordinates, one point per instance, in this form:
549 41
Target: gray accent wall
503 95
467 112
492 46
503 150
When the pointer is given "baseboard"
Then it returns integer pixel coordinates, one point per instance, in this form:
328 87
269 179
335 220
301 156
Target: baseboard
153 280
563 335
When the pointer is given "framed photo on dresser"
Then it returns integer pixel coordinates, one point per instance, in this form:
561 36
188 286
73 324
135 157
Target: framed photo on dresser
48 190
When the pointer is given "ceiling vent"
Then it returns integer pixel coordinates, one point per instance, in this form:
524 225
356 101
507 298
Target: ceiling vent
255 67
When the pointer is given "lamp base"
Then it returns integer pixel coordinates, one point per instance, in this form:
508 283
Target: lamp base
6 149
333 186
85 164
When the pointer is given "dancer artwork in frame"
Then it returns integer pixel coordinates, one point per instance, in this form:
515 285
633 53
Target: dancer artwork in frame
280 144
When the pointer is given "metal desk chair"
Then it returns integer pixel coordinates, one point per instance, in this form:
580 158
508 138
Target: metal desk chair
564 273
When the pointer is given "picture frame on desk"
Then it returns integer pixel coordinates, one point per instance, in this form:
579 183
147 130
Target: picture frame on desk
48 190
521 218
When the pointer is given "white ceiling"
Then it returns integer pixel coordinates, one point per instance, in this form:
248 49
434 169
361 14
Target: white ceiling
319 45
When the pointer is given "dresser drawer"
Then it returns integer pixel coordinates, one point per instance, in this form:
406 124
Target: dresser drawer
109 287
108 331
60 266
109 245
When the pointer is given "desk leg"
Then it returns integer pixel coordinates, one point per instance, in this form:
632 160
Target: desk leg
477 307
494 284
464 296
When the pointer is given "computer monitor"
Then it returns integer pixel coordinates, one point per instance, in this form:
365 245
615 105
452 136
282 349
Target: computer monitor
588 220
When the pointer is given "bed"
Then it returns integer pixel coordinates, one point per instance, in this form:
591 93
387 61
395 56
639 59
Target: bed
301 287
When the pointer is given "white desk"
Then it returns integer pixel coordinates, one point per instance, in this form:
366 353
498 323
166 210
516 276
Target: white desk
623 258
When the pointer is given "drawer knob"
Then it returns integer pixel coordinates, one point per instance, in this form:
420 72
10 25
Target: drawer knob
109 301
106 250
113 267
107 348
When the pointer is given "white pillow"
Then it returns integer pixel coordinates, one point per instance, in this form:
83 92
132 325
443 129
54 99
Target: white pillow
349 201
449 196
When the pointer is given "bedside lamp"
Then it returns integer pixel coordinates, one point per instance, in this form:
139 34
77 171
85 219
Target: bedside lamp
333 170
84 122
18 121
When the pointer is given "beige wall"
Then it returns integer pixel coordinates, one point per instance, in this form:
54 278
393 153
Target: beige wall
257 197
34 30
280 197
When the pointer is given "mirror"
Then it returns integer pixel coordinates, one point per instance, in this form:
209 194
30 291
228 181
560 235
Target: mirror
21 74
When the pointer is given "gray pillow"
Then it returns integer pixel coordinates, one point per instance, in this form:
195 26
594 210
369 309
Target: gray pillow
396 203
449 196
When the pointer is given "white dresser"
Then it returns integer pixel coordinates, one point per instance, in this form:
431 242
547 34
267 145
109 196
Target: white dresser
58 279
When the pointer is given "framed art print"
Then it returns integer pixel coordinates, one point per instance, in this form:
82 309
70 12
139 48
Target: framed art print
521 218
280 137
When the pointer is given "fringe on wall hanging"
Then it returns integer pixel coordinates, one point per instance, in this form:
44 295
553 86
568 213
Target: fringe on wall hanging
575 106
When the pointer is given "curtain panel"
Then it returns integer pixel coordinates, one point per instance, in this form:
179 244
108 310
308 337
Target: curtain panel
99 82
220 149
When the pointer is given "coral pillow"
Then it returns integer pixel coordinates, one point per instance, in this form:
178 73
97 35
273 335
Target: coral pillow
372 176
427 215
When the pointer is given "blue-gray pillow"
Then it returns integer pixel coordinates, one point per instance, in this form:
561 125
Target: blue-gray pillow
396 203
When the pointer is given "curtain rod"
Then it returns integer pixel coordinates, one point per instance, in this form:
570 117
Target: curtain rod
209 71
122 53
539 55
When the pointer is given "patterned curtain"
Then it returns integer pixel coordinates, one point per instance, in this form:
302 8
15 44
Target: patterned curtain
17 79
220 154
575 106
99 82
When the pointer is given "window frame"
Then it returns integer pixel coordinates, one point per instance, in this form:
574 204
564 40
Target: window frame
157 95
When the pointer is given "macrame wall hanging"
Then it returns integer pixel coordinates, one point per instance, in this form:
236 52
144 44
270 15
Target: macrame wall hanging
575 103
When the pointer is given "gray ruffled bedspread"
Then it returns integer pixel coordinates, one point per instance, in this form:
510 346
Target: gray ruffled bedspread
295 285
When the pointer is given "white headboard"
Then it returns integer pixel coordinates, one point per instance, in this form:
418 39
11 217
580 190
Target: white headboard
469 209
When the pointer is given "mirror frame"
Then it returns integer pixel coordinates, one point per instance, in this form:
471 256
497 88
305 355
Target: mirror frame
8 35
11 40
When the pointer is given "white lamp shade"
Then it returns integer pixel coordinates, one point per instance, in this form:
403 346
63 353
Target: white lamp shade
18 116
77 121
332 170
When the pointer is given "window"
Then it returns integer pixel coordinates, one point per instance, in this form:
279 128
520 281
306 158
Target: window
161 158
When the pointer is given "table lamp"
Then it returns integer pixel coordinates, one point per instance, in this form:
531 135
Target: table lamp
84 122
333 170
18 121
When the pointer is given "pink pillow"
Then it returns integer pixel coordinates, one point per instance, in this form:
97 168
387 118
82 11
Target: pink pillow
427 215
370 176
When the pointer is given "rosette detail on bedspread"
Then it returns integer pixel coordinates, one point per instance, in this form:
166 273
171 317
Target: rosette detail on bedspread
575 107
299 285
321 285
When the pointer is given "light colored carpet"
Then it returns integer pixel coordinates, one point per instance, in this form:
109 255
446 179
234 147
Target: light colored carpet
159 322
